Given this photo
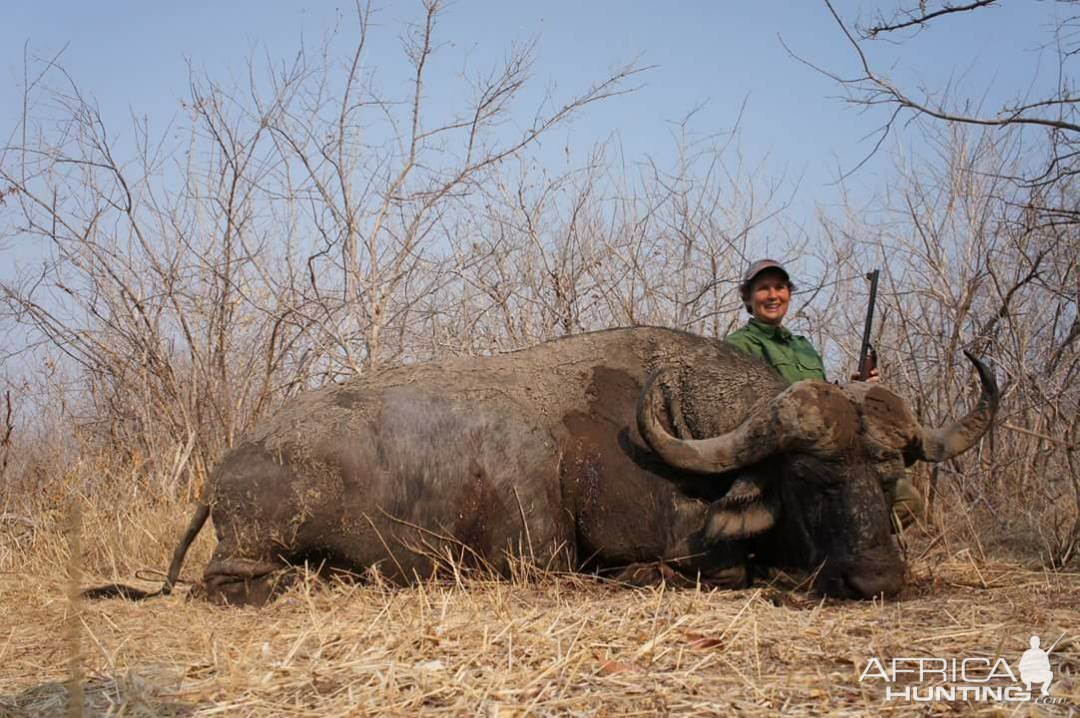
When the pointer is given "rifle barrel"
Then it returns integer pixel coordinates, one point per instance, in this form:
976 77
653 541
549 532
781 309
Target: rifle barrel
864 350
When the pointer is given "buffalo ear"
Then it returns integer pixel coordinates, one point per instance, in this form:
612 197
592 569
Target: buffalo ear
728 524
741 513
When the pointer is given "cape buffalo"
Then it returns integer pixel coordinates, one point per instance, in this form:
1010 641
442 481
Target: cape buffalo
613 450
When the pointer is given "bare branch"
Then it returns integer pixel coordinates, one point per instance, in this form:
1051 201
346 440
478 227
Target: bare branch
913 19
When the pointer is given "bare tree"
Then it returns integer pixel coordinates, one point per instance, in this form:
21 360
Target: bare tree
293 235
1053 118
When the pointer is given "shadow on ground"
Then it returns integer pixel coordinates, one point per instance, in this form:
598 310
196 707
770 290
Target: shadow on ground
147 692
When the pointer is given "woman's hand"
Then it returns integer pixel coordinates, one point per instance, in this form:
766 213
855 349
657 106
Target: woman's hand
874 378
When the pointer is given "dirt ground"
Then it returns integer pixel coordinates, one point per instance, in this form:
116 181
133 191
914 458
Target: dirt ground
549 645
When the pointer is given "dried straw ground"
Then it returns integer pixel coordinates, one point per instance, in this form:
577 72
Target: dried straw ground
538 645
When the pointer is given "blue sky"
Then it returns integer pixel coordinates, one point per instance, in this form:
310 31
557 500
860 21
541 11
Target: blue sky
132 56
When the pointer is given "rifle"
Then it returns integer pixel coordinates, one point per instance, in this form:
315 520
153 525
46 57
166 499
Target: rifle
867 354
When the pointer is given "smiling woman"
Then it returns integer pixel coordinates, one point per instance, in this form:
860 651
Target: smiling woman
766 293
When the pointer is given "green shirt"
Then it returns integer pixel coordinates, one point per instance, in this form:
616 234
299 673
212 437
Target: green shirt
794 357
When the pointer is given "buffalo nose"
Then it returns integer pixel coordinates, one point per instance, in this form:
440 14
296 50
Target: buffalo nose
875 580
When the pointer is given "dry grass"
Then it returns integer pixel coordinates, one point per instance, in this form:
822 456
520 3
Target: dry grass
548 645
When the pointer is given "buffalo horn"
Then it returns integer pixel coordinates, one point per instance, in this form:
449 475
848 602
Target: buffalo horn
956 437
756 438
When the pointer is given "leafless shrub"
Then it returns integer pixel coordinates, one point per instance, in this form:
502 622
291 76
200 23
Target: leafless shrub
1050 119
289 239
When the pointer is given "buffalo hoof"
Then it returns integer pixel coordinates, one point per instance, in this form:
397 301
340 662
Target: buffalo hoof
245 582
659 573
733 577
241 591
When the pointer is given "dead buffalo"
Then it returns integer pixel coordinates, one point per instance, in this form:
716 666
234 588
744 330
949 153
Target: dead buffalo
640 452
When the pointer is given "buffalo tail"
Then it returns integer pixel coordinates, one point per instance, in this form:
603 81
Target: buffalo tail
117 590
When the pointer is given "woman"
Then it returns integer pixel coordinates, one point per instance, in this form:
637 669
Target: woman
766 293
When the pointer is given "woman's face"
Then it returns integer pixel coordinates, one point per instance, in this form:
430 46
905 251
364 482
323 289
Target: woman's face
769 297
